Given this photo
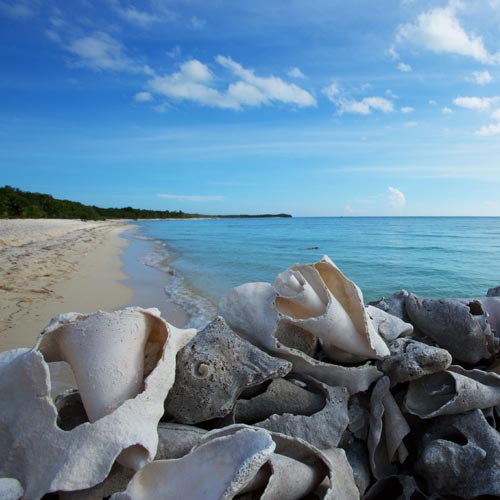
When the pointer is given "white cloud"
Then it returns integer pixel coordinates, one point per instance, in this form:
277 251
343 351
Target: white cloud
447 111
142 18
488 130
396 198
175 52
440 31
295 73
143 97
410 124
407 109
393 53
100 51
476 103
18 9
195 23
346 104
188 197
273 88
481 77
496 115
404 68
194 82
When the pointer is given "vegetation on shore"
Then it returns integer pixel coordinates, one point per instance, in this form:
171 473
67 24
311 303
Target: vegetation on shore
18 204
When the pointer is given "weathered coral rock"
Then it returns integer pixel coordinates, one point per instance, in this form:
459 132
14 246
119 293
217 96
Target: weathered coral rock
249 310
82 457
411 360
460 326
219 468
453 391
388 427
281 396
395 488
359 415
213 370
344 486
322 429
394 305
357 456
460 456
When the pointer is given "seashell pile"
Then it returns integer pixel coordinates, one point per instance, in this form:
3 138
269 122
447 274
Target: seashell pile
297 390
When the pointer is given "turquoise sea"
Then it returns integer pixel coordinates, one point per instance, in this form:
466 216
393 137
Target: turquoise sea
430 256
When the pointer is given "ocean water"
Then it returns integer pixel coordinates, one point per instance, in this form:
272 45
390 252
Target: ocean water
429 256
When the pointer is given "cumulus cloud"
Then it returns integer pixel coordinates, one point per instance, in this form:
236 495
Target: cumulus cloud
488 130
346 104
194 82
447 111
143 97
139 17
481 77
476 103
100 51
295 73
404 68
396 198
407 109
271 87
439 30
189 197
496 115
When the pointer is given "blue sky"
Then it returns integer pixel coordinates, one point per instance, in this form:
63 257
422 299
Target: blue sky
222 106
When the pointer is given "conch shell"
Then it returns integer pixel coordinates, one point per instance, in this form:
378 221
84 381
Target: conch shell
124 363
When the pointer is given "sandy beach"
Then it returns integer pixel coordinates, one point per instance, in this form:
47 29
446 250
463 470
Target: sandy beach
49 267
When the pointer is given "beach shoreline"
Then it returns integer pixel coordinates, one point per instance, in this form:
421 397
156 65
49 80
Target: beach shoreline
48 267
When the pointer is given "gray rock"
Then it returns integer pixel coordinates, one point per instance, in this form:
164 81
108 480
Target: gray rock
493 292
395 304
177 440
213 370
460 455
359 415
323 429
357 455
295 337
460 327
282 396
411 360
388 326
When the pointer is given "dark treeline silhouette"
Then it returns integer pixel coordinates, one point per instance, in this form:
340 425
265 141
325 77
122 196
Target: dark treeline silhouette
18 204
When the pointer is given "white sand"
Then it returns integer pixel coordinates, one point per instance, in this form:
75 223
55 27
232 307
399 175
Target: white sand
52 266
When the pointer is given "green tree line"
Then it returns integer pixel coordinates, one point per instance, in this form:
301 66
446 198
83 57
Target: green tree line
18 204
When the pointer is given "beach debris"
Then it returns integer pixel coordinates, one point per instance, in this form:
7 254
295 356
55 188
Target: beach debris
213 369
394 305
10 489
460 455
388 427
459 326
295 469
249 311
453 391
125 413
388 326
281 396
357 456
223 466
411 359
324 428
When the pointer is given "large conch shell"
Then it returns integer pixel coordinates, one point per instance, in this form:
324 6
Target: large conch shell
217 469
321 300
388 427
124 364
460 456
250 310
213 370
453 391
460 326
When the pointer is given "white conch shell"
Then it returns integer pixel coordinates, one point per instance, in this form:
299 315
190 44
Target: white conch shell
43 457
388 427
10 489
218 469
320 299
453 391
249 310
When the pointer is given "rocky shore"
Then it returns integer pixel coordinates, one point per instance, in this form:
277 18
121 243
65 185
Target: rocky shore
297 390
